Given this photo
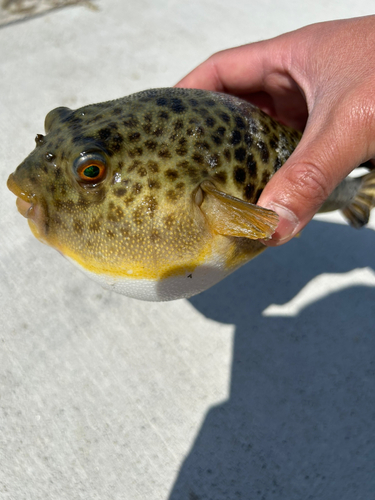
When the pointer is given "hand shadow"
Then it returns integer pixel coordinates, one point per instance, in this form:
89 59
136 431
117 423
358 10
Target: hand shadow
300 419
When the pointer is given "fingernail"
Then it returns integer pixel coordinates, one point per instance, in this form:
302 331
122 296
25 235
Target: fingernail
288 224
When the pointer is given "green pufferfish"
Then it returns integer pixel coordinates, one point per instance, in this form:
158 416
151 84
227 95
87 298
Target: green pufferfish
154 195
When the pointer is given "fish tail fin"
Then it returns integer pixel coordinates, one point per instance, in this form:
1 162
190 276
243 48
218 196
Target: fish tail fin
358 211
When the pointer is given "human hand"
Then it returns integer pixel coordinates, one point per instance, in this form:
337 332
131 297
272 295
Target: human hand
320 79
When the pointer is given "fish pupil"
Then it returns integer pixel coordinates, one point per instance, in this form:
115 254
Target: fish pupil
92 171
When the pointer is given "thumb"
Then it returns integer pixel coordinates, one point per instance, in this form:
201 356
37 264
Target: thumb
320 162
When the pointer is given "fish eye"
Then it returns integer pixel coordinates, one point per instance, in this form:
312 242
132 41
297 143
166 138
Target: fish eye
90 168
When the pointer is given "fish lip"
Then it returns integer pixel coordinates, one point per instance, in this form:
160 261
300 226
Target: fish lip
25 208
26 204
15 189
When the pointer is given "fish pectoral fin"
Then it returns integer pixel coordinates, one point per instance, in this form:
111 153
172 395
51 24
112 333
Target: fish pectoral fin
230 216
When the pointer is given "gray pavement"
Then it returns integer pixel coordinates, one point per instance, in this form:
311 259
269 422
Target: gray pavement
263 387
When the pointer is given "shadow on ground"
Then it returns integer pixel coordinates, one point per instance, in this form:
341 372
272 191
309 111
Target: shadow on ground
300 419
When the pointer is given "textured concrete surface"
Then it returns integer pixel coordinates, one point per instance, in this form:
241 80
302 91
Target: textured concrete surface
261 388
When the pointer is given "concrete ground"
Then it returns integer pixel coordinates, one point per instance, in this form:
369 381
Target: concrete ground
263 387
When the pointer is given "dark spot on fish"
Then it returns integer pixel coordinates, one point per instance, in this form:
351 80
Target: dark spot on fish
105 133
253 128
77 139
150 145
202 145
57 172
115 214
74 122
210 102
273 143
193 102
249 192
203 112
265 178
177 106
164 115
135 136
217 140
164 152
78 226
192 173
198 158
138 216
153 166
116 142
96 118
190 131
134 165
158 132
147 128
135 152
277 164
120 192
251 165
95 226
130 121
110 234
236 137
137 188
151 205
265 128
225 117
263 150
128 201
117 111
214 160
181 150
171 174
169 221
161 101
178 125
194 121
220 131
142 172
210 122
239 122
257 194
240 154
155 236
63 188
221 177
124 231
153 184
240 175
172 195
227 154
248 139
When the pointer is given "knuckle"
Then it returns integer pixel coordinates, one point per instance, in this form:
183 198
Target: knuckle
309 184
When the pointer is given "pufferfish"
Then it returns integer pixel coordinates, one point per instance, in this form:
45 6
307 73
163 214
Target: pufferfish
154 195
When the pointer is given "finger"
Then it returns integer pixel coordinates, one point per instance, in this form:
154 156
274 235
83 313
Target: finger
321 161
237 70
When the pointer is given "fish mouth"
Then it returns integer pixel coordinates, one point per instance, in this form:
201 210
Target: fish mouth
23 203
27 206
